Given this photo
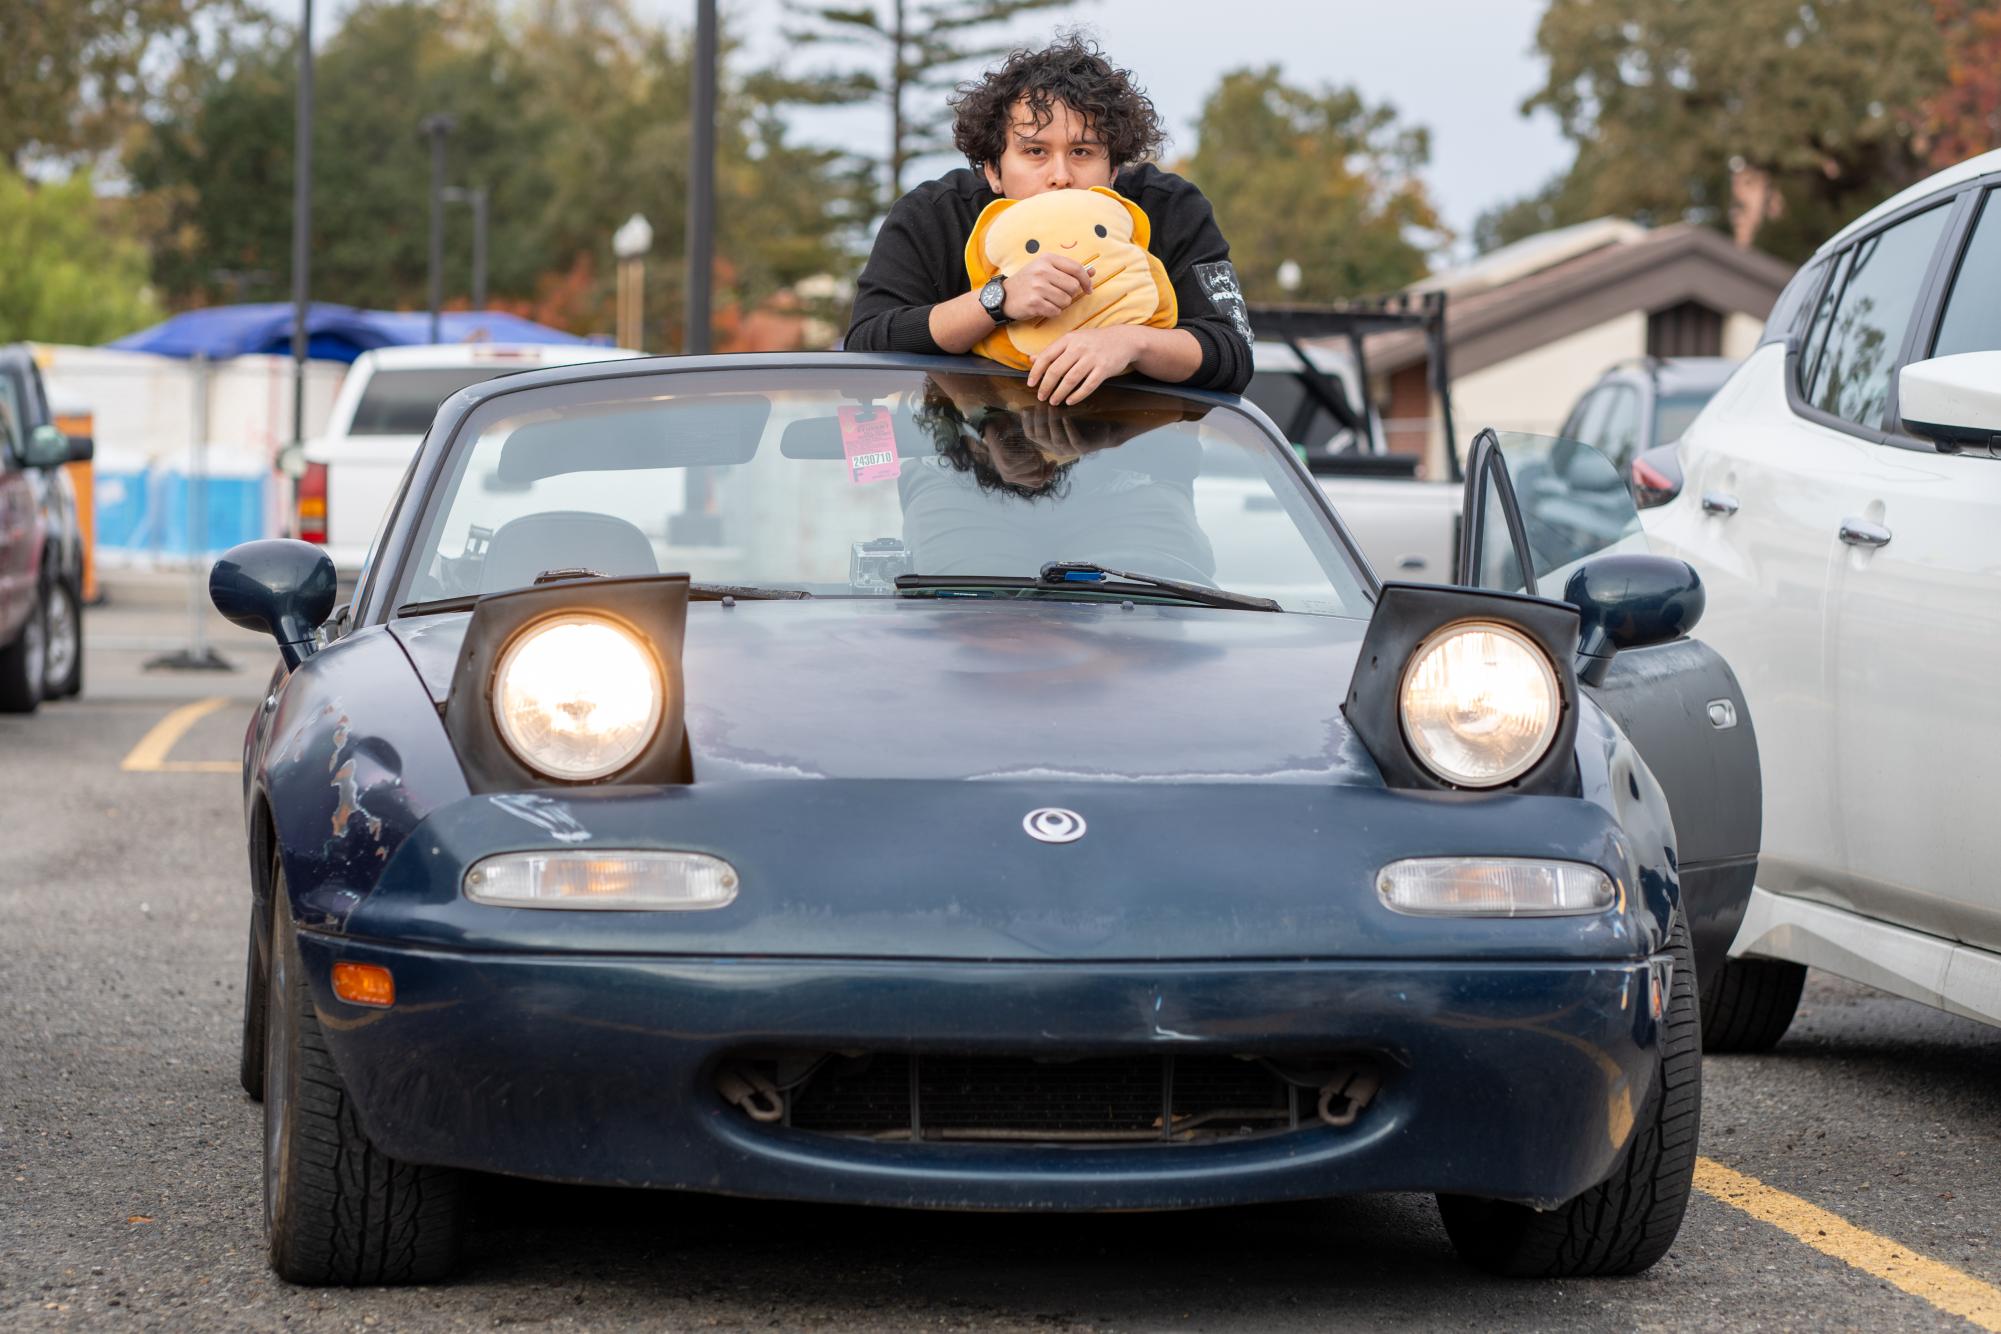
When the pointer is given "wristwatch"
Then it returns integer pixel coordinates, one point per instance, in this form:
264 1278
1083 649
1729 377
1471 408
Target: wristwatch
992 298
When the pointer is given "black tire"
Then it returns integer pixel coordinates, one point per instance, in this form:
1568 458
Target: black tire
256 1004
338 1211
1750 1004
63 622
23 663
1629 1220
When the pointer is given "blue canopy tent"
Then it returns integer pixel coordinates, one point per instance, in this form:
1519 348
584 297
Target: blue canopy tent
153 509
333 333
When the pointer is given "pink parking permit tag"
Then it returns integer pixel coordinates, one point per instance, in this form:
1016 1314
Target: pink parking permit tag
870 445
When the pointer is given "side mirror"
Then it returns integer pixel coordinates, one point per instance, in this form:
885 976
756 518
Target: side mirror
277 586
47 447
82 449
1954 401
1654 476
1630 601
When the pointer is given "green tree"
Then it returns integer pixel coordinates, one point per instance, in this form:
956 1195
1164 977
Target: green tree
82 279
573 114
1320 178
1672 103
75 73
914 50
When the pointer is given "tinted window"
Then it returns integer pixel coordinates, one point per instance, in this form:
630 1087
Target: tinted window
1292 405
1972 320
1786 310
1674 412
403 402
1619 439
1588 422
1871 312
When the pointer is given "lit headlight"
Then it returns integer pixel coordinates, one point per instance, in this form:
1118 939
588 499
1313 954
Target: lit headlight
1479 703
577 698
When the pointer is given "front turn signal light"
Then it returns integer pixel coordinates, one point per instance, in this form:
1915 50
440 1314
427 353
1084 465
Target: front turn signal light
364 984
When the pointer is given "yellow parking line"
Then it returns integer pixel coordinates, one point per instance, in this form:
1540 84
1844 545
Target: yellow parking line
1946 1288
150 755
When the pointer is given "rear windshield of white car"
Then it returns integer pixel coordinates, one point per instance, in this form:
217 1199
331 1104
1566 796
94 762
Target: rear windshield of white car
403 402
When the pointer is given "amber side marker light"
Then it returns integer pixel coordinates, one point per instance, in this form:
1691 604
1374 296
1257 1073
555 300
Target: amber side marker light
364 984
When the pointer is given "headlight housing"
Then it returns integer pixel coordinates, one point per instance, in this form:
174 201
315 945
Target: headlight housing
577 697
1479 703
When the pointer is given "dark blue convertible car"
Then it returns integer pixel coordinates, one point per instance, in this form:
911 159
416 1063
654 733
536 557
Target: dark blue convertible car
1008 808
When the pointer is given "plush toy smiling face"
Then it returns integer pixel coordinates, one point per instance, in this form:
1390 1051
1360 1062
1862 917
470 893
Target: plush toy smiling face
1100 230
1082 225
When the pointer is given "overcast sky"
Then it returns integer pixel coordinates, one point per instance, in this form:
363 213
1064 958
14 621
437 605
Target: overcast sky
1460 67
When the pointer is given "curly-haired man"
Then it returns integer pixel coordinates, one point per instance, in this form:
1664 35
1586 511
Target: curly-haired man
1060 118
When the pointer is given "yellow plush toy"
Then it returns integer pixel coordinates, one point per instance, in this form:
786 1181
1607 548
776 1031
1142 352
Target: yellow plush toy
1100 229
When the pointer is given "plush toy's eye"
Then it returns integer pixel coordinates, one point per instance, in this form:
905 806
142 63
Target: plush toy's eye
1100 229
1033 246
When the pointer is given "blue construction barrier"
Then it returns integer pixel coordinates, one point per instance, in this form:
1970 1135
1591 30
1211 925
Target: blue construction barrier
145 514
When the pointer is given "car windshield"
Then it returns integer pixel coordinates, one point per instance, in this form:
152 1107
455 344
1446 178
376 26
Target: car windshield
837 481
403 402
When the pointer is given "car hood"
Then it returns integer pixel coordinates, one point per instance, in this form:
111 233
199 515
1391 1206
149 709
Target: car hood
1055 691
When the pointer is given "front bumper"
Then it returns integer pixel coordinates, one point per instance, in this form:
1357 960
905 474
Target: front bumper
1516 1080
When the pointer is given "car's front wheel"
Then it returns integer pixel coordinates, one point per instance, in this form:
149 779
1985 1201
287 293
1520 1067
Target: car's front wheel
337 1210
24 663
1628 1221
62 671
1750 1004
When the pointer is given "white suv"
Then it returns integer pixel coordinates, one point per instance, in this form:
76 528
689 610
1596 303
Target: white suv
1841 498
385 405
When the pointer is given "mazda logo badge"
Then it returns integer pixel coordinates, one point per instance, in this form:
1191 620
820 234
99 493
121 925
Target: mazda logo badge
1053 824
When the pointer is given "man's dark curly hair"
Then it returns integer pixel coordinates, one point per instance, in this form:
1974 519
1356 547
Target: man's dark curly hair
1073 71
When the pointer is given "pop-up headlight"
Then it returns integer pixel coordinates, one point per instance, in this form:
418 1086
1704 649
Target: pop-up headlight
577 697
571 683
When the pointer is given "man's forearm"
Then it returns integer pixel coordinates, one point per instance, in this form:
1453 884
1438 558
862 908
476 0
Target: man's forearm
958 324
1167 355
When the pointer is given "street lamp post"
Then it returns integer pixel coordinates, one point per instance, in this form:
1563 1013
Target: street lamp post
630 243
702 180
475 196
302 218
435 128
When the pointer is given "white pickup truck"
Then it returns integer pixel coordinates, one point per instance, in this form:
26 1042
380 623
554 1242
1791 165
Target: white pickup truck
349 475
1409 529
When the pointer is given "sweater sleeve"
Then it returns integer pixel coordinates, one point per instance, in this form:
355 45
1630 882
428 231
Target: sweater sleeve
1197 259
900 283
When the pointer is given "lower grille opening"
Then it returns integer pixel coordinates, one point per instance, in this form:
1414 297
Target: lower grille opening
1021 1099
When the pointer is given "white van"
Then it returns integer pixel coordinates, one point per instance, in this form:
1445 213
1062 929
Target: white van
351 473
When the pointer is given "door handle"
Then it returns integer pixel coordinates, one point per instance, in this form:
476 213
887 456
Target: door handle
1862 533
1719 502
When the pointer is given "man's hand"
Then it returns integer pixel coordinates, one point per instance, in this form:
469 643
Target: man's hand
1070 369
1045 286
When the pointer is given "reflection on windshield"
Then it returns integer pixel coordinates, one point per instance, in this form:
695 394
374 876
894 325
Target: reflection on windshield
837 481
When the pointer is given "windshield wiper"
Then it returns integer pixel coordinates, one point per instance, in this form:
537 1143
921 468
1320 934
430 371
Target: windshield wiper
696 593
1087 572
1082 576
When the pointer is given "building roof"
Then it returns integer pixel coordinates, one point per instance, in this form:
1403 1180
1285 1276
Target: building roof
1593 275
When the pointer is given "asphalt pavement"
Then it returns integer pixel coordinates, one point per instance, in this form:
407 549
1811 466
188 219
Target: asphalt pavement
1847 1178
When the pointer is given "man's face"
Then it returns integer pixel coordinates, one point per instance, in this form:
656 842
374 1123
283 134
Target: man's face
1065 154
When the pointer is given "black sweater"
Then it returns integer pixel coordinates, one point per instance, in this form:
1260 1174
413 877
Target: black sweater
920 259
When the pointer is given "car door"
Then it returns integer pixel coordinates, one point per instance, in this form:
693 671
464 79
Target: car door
1915 595
18 558
1537 508
1769 475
